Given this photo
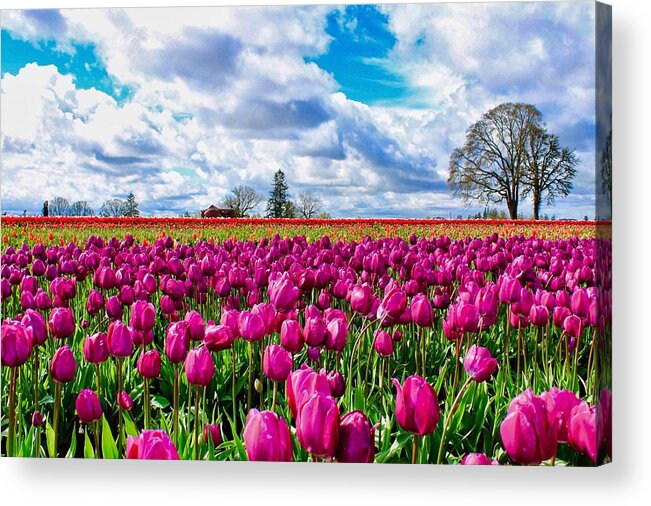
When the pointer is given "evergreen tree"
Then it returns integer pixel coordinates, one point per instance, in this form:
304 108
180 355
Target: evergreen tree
279 203
131 208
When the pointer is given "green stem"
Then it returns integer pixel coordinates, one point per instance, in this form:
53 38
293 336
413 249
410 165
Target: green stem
36 357
248 399
448 418
57 407
12 412
119 366
147 405
273 402
175 401
414 451
196 423
233 386
96 431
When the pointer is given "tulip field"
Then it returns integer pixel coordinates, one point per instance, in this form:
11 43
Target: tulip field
469 342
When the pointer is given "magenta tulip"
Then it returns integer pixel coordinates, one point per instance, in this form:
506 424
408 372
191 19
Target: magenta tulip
177 342
143 316
16 344
88 406
212 433
277 363
560 404
527 434
95 349
417 406
118 339
218 337
291 336
199 367
196 326
477 459
422 313
149 364
317 425
301 384
63 365
151 445
382 343
124 401
61 323
356 439
267 437
585 431
479 364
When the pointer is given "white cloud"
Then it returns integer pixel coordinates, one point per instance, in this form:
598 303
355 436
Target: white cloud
217 103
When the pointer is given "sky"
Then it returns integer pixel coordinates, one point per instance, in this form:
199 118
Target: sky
360 105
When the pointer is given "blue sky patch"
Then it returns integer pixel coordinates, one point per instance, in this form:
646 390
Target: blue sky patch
84 66
361 40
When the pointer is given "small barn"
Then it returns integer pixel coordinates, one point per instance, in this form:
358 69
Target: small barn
216 212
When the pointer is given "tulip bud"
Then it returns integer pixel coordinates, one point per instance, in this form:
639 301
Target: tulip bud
251 326
214 433
124 401
267 437
283 294
37 419
539 315
337 383
151 445
317 425
356 439
382 343
94 302
417 406
393 304
361 299
314 331
199 367
88 406
63 365
277 363
149 364
479 364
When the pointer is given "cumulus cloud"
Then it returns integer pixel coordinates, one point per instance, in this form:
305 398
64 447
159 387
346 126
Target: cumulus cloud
227 96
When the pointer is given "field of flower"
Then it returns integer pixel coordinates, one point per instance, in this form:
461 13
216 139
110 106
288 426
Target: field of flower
423 341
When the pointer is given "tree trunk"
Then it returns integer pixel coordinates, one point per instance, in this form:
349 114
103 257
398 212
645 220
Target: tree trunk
536 205
513 209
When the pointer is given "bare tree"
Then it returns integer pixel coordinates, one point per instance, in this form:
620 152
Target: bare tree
81 208
550 168
113 208
59 207
490 165
309 205
243 199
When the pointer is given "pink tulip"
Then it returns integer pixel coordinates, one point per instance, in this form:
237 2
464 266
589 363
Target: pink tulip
63 365
277 363
151 445
149 364
301 384
118 339
559 405
477 459
291 336
16 344
218 337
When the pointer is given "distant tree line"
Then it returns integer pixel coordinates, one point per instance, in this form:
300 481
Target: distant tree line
245 199
114 208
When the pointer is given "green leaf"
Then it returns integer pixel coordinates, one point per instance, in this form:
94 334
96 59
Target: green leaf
109 449
73 443
130 425
49 436
89 453
160 402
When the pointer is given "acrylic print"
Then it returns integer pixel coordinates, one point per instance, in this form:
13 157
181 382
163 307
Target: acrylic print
333 234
